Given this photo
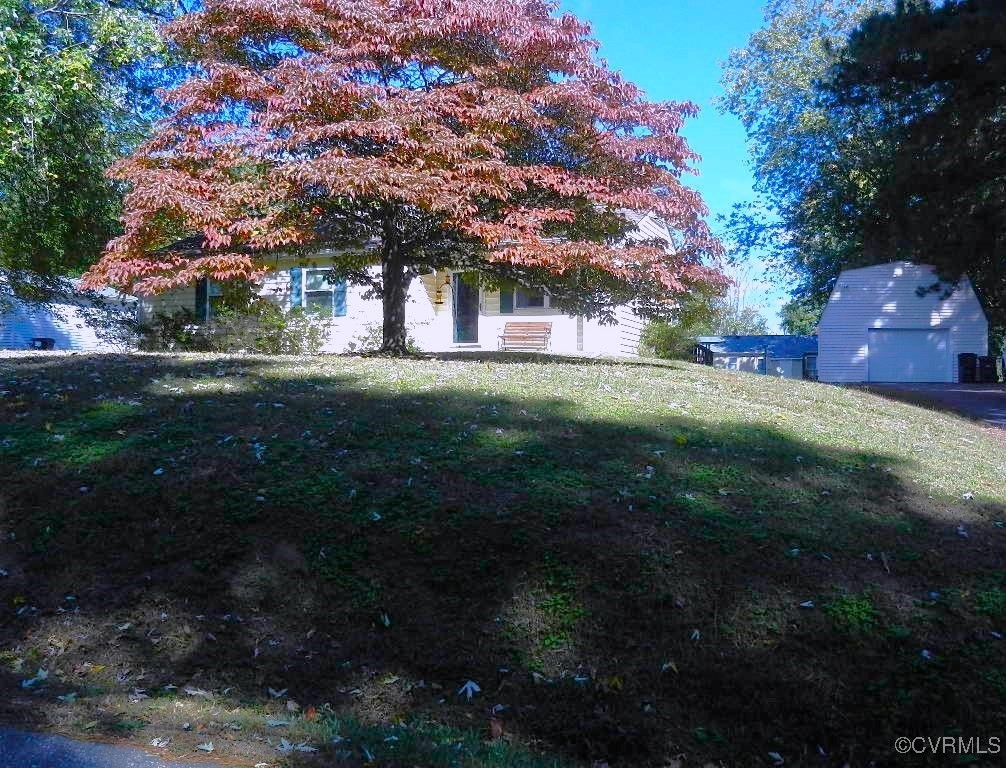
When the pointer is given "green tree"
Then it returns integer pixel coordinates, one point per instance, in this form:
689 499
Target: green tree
673 338
801 316
70 103
771 85
929 85
712 311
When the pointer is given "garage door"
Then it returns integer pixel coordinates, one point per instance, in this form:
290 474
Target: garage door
909 355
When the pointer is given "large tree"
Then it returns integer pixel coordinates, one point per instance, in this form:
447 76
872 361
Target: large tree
414 134
772 85
930 81
71 102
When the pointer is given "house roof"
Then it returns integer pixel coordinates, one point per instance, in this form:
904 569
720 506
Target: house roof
781 347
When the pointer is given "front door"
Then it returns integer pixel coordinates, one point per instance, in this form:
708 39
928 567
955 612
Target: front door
466 309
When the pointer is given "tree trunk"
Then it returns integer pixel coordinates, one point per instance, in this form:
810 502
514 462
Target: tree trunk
396 286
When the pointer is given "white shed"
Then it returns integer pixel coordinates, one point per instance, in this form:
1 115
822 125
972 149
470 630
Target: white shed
898 323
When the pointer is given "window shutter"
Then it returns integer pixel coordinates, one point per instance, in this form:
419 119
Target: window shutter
339 299
202 299
506 301
296 287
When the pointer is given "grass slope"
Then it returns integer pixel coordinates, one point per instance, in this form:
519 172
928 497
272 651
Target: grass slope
636 563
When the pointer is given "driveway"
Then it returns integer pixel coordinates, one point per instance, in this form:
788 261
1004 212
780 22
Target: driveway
33 750
985 402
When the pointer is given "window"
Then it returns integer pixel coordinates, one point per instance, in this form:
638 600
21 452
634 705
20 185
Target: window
209 298
214 298
317 291
526 298
518 298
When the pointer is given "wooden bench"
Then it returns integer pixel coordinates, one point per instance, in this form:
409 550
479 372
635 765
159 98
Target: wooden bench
526 336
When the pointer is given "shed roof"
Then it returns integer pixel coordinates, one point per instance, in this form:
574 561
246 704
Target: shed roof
779 346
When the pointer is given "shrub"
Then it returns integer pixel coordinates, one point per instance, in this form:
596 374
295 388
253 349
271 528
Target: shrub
265 328
257 326
179 332
372 337
666 340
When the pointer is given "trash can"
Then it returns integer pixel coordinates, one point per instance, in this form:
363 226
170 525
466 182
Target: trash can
988 373
967 368
43 342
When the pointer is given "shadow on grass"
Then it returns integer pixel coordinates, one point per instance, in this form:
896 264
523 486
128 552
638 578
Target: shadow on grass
542 358
626 588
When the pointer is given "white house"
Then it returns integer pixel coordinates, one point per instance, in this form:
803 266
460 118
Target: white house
83 322
444 311
898 323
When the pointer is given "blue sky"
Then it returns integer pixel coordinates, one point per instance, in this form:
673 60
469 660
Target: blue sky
673 50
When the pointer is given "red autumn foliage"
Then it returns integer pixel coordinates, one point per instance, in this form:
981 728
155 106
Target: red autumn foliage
394 128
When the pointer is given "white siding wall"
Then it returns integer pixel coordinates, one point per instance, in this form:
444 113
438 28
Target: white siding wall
167 303
432 326
66 324
884 296
650 228
619 340
570 335
362 314
491 322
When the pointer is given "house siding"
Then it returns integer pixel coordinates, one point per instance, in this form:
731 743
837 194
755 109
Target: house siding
167 303
431 326
364 316
884 296
564 338
630 331
67 324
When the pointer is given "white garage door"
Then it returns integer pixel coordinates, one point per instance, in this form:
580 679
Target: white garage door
909 355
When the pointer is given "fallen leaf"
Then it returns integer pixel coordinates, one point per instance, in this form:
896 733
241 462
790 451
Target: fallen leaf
495 728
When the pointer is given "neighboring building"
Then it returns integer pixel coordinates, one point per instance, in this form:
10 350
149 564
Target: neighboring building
789 357
83 322
443 312
898 323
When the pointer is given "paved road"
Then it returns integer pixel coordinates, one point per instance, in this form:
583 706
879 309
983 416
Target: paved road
986 402
31 750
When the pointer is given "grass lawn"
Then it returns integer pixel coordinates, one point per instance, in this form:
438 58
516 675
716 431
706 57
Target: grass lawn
638 564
